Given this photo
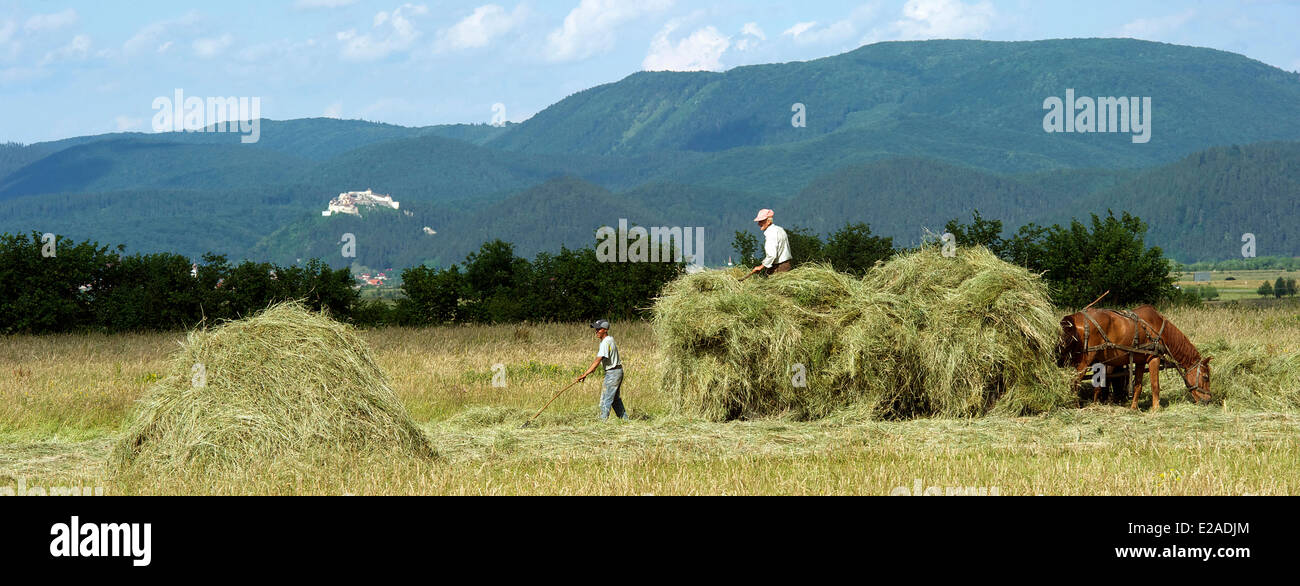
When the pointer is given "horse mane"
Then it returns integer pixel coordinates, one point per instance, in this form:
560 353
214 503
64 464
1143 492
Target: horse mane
1179 346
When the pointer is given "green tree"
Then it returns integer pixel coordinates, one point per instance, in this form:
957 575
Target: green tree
1082 263
50 293
432 295
1279 288
746 246
979 232
493 277
805 246
1265 290
854 250
1290 287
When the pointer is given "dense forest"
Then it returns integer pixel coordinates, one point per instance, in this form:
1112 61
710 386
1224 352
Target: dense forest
899 136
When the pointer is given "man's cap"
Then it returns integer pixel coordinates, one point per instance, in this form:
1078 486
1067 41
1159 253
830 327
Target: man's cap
600 324
764 214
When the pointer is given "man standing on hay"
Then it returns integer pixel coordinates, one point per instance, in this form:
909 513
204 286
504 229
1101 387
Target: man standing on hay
608 355
776 245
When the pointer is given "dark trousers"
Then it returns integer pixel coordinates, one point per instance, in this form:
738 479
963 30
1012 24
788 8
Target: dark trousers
781 268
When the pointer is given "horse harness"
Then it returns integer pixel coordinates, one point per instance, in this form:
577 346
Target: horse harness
1154 346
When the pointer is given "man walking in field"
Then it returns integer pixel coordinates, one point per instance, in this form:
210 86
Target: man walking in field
608 356
776 245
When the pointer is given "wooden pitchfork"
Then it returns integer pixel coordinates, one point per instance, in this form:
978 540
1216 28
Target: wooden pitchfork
548 404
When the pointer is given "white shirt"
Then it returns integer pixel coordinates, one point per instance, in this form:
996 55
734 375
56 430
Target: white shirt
776 245
609 352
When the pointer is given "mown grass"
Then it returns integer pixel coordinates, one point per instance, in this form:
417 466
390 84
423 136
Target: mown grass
63 399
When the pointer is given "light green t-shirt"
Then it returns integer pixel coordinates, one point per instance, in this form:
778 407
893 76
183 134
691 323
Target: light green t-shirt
609 353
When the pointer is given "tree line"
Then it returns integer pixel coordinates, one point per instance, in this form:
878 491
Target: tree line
64 286
50 284
1277 289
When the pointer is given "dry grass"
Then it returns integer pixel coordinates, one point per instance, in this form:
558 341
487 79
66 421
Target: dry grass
921 335
62 399
286 386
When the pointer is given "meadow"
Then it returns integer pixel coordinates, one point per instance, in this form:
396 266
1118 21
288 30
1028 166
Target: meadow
1240 285
64 399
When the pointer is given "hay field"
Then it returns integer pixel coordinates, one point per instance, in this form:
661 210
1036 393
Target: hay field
64 399
1243 285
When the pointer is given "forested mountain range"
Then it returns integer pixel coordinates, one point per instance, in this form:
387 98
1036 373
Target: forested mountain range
903 136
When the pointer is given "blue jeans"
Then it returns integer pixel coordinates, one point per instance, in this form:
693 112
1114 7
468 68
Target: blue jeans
609 397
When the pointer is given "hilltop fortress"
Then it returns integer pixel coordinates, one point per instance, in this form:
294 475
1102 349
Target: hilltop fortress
348 202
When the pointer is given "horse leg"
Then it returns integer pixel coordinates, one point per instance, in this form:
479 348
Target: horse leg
1133 389
1078 378
1153 365
1137 382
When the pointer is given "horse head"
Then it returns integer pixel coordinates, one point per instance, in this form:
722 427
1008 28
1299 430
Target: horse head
1069 346
1197 379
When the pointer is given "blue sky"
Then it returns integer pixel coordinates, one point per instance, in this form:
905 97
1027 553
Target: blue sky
77 68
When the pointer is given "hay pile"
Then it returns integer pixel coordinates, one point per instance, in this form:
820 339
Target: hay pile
919 336
287 387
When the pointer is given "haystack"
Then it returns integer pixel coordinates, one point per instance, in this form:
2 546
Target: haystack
285 388
919 336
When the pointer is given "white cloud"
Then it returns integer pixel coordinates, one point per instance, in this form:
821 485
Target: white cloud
943 19
486 23
77 48
309 4
148 37
52 21
124 123
807 33
589 27
701 51
391 32
799 29
213 46
334 110
750 35
163 47
1155 27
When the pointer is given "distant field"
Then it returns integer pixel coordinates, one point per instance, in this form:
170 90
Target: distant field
63 398
1243 284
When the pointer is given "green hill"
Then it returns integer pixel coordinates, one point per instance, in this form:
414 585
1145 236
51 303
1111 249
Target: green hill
928 94
902 135
1199 207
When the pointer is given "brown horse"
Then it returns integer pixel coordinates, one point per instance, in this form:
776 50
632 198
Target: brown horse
1140 339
